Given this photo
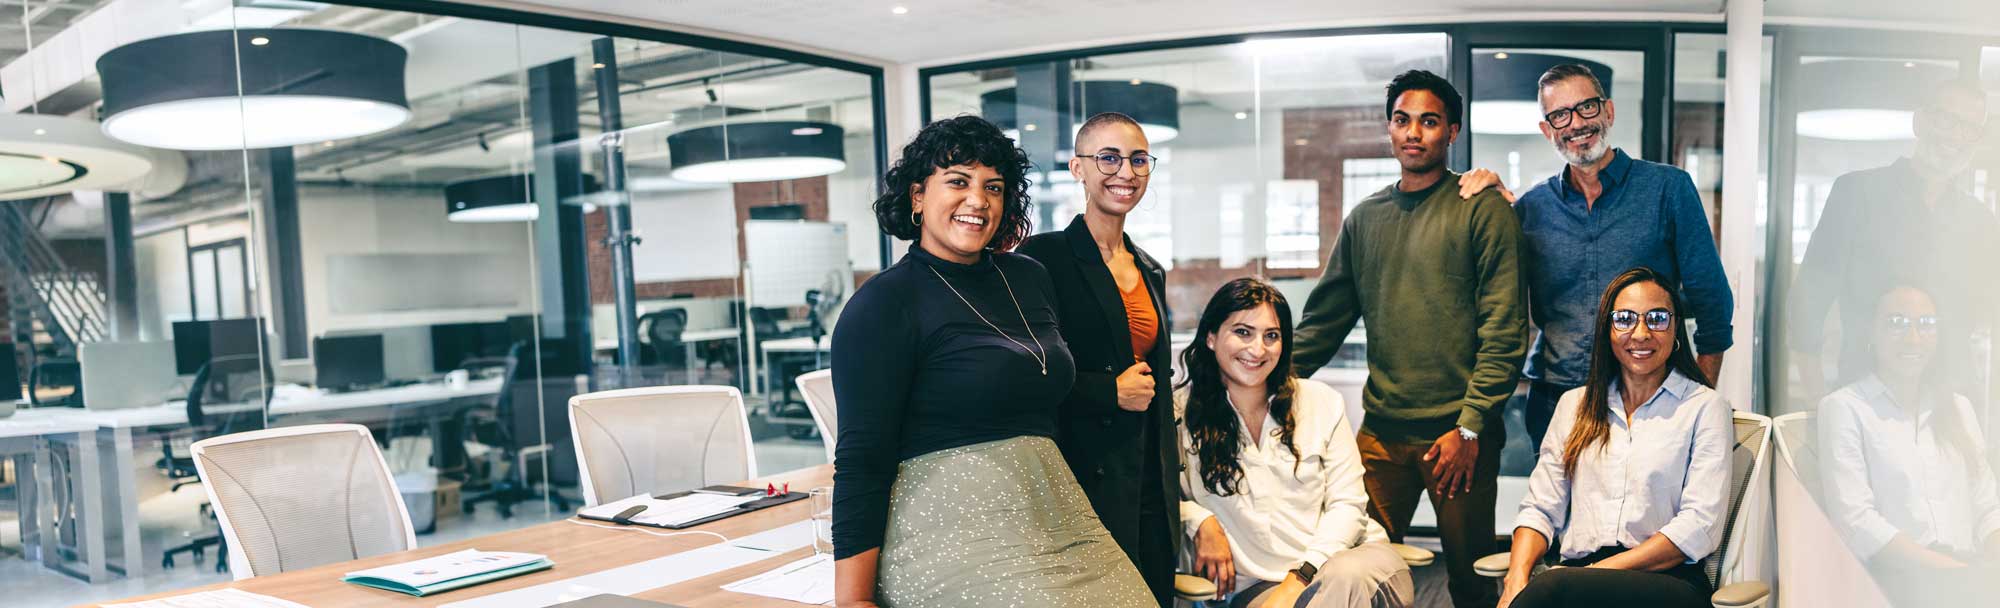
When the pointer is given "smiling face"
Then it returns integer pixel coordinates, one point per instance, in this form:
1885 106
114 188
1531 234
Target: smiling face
1948 129
1420 131
1643 352
1118 194
1584 141
1247 346
1905 335
960 208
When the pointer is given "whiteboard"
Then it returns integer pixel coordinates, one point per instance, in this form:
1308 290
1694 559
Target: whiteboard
789 257
684 235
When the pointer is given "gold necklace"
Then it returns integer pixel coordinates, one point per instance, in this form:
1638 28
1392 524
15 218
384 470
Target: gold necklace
1042 359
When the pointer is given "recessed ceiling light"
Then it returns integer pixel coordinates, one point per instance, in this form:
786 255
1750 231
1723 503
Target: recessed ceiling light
1028 127
900 10
1135 82
1909 64
41 131
597 66
328 143
1500 55
1242 115
1300 142
259 41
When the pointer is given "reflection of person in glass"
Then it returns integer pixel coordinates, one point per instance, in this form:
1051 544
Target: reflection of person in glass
1634 476
948 371
1603 214
1117 428
1907 223
1903 473
1275 502
1438 277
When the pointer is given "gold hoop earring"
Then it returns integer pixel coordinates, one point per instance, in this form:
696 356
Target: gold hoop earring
917 219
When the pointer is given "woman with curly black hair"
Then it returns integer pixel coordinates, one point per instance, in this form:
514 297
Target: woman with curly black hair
948 370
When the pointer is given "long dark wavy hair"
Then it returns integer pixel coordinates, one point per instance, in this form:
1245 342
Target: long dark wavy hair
959 140
1593 420
1211 422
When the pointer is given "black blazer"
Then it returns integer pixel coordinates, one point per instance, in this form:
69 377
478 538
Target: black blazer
1105 445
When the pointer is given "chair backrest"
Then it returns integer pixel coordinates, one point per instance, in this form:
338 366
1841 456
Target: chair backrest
660 439
817 386
1749 499
297 497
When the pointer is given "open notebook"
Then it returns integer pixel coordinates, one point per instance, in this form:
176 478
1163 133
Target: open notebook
449 571
685 509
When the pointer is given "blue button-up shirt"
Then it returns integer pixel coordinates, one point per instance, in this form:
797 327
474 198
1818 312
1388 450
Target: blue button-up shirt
1649 215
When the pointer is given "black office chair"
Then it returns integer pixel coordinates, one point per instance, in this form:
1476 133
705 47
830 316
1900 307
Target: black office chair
56 373
662 330
517 431
229 394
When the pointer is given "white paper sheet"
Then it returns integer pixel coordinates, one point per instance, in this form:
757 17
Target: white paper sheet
807 581
654 573
220 598
673 512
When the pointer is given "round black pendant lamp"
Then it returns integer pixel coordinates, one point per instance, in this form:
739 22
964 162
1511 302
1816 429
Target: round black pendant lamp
298 86
757 151
501 198
1155 106
1505 92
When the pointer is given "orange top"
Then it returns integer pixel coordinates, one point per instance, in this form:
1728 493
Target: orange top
1142 319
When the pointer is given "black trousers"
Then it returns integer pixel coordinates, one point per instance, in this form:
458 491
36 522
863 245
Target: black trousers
1683 586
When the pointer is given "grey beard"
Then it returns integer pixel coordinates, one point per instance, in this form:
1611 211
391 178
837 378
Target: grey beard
1591 155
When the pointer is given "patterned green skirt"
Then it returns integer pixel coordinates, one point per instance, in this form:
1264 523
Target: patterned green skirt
1001 523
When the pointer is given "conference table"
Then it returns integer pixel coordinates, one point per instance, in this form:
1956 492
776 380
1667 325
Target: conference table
109 486
588 559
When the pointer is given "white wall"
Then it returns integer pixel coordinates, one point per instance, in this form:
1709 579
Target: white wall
160 262
350 221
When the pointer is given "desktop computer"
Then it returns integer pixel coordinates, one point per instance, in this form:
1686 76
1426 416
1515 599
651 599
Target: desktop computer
119 375
454 343
197 342
348 362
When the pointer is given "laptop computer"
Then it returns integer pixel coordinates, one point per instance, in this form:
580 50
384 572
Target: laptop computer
120 375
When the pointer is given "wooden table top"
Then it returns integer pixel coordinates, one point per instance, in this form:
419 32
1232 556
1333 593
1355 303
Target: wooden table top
577 550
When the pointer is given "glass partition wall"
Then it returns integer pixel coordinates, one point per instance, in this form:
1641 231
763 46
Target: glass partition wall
438 226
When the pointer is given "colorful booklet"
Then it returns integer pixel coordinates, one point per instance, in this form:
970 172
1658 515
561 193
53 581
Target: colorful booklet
450 571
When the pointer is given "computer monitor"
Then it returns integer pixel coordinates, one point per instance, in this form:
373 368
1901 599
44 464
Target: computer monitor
347 362
453 343
197 342
119 375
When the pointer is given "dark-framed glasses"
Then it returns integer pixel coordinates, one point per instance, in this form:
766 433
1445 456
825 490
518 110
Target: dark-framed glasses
1902 325
1108 162
1658 319
1587 109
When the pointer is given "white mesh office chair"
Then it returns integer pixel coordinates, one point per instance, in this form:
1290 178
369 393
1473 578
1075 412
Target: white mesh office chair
1735 566
660 439
298 497
817 386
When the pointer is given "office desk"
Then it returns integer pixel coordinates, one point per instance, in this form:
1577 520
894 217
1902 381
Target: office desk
111 463
689 340
577 550
23 437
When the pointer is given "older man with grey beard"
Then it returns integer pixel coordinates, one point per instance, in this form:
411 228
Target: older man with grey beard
1604 214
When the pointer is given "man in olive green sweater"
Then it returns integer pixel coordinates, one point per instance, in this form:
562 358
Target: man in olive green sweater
1438 278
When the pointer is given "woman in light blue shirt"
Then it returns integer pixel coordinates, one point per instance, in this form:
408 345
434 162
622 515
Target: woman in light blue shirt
1633 475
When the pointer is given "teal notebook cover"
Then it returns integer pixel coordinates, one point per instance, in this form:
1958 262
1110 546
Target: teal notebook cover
447 585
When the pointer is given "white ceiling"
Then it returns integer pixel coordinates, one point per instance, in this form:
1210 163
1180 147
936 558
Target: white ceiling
935 30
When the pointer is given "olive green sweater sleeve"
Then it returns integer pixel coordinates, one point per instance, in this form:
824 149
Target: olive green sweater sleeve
1331 310
1501 304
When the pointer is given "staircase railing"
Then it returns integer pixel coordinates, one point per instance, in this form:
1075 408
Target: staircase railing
67 304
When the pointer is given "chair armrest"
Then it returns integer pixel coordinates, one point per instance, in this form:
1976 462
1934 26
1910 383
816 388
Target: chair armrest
1747 594
1193 588
1493 566
1414 557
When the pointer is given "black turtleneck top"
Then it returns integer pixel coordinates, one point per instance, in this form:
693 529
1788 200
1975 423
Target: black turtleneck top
916 371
